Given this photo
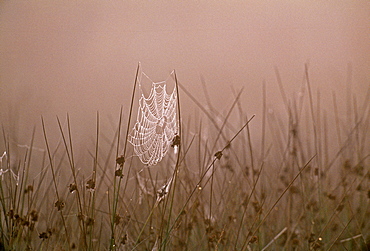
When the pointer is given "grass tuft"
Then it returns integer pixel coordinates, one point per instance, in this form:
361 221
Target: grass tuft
300 180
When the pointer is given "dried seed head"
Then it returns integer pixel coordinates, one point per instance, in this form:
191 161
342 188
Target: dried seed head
176 141
11 213
118 173
218 155
316 244
257 206
90 221
120 160
232 218
50 231
90 185
163 191
80 217
34 215
25 222
331 196
43 236
72 188
124 239
117 219
28 189
340 207
253 239
59 205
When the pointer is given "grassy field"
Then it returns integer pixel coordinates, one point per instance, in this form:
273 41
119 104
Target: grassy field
302 184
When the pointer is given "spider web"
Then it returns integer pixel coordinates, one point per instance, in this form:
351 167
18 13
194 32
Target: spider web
156 124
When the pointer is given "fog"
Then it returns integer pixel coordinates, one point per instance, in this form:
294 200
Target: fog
80 57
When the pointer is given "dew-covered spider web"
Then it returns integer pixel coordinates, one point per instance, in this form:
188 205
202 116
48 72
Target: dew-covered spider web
156 124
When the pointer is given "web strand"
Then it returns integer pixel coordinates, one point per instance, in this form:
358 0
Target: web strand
156 123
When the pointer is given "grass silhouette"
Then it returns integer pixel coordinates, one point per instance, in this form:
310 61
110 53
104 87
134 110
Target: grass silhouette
294 188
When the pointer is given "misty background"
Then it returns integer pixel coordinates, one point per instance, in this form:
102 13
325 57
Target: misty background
80 57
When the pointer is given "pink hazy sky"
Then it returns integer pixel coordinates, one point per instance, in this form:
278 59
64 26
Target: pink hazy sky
80 56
